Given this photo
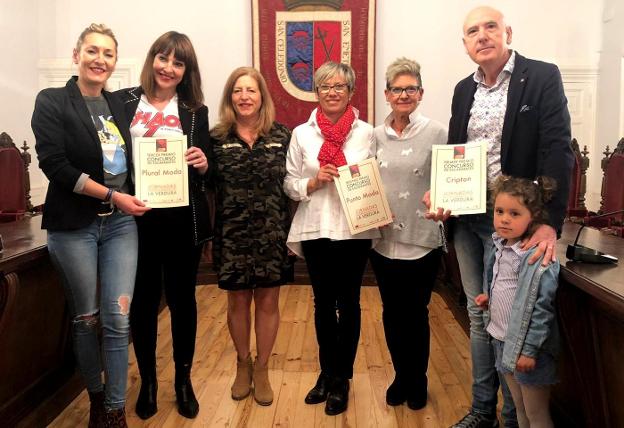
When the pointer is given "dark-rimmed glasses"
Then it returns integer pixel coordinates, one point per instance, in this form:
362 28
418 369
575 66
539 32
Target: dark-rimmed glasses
397 91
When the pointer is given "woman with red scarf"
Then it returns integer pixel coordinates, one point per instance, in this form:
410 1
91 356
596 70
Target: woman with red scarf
332 137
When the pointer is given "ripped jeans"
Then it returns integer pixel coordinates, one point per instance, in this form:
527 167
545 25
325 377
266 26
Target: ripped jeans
107 246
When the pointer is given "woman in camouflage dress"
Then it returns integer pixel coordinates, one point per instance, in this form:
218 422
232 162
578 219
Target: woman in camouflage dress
251 222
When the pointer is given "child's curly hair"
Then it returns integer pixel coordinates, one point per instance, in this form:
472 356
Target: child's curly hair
532 194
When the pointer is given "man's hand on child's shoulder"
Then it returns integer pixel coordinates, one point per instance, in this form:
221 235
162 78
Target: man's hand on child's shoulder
525 364
482 301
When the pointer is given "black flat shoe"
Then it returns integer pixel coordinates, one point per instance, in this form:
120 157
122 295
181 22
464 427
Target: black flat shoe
185 397
146 406
338 398
319 393
396 394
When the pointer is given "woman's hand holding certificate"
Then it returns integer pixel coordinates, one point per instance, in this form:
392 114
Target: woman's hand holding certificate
161 172
362 196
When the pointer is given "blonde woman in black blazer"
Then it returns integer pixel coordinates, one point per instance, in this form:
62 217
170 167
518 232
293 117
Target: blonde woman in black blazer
83 146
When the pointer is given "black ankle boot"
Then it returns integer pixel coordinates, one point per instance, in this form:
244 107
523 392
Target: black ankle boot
96 409
338 398
396 393
185 397
115 418
417 395
146 406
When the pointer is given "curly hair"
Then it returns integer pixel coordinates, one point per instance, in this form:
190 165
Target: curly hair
532 194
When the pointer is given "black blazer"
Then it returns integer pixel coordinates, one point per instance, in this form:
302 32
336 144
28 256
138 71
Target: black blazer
67 145
195 127
536 133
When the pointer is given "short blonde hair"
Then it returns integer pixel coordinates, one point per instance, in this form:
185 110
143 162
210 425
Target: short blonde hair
95 28
402 66
330 69
227 113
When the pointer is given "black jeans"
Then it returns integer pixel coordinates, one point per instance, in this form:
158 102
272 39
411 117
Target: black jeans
168 259
336 269
405 287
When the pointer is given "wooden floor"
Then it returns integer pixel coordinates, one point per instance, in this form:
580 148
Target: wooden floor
294 369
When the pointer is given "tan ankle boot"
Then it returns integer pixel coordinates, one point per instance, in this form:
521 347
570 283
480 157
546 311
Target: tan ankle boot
242 384
263 394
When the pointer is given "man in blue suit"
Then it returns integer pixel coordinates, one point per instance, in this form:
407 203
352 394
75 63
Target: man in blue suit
517 105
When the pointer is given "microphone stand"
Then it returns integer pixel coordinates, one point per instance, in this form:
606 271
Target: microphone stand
579 253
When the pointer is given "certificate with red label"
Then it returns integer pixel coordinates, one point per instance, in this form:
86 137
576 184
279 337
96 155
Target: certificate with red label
160 171
362 196
459 178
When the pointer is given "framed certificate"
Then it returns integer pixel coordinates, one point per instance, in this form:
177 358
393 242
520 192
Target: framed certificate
459 178
362 196
160 171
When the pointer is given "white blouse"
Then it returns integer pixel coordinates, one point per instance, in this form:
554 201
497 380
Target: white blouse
320 215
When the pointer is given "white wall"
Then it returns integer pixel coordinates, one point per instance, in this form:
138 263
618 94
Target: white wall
568 33
18 73
559 31
610 120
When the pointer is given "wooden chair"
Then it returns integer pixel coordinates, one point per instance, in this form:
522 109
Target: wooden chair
612 191
14 180
578 183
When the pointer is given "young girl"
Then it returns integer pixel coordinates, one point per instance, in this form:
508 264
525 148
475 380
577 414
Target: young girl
520 299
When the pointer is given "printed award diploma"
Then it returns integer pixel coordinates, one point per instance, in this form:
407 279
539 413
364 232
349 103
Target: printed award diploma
160 171
362 196
459 178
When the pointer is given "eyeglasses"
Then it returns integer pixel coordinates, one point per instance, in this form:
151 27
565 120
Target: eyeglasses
339 88
409 90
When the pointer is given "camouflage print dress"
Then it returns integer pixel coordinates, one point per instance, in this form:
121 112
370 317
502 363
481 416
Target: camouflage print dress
251 218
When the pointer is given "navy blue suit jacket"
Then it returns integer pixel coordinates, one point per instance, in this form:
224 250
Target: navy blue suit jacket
536 133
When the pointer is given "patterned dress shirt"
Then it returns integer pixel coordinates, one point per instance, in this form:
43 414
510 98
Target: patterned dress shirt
487 115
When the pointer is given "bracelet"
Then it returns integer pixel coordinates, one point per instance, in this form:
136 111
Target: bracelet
109 194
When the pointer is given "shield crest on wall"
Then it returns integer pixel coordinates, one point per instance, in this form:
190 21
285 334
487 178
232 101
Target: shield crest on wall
304 41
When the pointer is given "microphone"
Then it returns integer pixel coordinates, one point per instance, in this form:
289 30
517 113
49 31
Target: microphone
579 253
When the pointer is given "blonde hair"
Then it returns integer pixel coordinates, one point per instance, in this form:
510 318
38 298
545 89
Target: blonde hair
95 28
402 66
189 89
227 113
330 69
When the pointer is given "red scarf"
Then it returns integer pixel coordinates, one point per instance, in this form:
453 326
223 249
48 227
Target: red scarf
335 135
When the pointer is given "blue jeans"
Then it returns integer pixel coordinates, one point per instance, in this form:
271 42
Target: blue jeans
473 244
107 246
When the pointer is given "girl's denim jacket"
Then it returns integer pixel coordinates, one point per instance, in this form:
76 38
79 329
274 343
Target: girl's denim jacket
533 322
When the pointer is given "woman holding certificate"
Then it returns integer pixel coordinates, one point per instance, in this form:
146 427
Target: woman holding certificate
336 259
169 104
251 222
84 149
406 259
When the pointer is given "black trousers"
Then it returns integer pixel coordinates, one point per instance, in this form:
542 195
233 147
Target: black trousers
168 259
405 287
336 269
